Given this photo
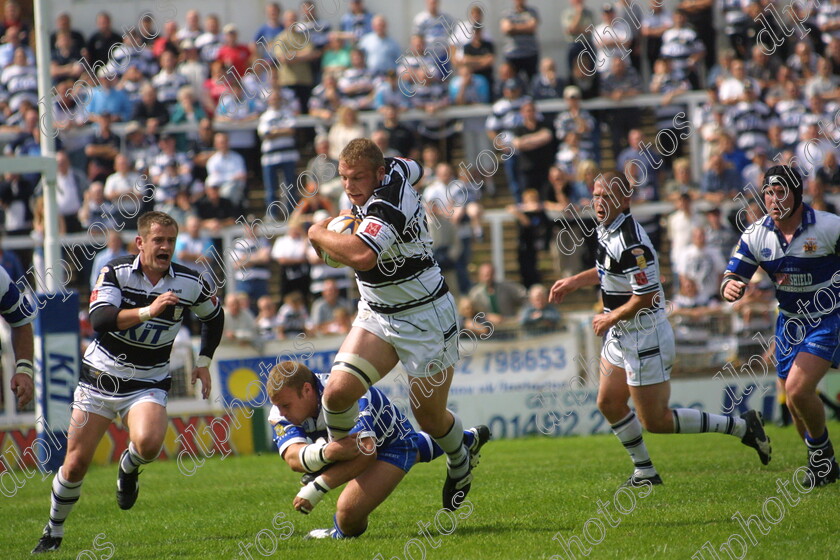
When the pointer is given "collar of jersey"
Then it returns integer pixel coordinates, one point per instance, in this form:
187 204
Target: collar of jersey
808 218
137 267
617 221
319 387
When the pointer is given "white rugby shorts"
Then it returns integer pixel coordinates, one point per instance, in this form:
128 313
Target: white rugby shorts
110 405
646 354
425 338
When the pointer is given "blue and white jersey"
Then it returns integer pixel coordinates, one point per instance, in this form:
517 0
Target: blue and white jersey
378 418
14 307
806 271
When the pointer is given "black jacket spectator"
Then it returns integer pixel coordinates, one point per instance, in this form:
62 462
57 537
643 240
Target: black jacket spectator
99 44
215 211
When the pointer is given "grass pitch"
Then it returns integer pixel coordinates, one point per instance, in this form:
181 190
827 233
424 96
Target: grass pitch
529 496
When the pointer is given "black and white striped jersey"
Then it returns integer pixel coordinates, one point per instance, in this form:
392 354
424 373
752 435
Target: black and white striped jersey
142 352
627 263
280 149
394 226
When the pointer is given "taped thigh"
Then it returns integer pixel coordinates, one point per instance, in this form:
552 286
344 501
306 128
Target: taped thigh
357 366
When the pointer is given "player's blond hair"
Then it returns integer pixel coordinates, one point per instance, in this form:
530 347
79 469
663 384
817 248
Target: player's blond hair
288 374
362 150
144 223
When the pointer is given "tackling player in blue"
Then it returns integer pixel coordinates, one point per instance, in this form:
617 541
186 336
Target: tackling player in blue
799 248
381 448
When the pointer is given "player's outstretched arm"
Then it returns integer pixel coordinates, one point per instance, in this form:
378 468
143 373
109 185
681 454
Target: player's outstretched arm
211 336
568 285
338 474
24 347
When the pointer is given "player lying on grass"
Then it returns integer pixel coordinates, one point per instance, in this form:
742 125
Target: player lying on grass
799 248
638 352
381 449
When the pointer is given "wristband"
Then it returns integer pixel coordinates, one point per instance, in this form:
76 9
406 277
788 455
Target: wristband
312 457
25 367
202 361
727 280
313 492
145 313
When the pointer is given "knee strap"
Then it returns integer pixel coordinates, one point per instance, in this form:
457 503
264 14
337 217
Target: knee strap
357 366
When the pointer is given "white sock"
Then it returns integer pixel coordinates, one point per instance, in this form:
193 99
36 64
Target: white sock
691 421
452 443
132 460
628 430
64 496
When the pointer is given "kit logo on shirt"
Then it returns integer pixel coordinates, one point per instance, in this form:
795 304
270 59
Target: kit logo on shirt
372 229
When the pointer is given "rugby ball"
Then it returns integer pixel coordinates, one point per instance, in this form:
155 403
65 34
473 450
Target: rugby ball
345 225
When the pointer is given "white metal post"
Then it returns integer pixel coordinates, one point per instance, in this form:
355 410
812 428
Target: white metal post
51 242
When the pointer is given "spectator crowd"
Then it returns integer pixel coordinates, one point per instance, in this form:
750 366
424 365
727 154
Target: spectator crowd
198 119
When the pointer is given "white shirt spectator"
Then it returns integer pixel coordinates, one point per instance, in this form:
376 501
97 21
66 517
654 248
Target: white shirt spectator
704 266
287 247
222 168
811 153
733 88
122 183
606 32
680 226
242 325
70 188
196 72
435 196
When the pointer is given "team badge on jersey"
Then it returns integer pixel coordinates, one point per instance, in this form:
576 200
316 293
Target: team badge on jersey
639 253
810 245
766 252
641 277
279 430
179 310
101 277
